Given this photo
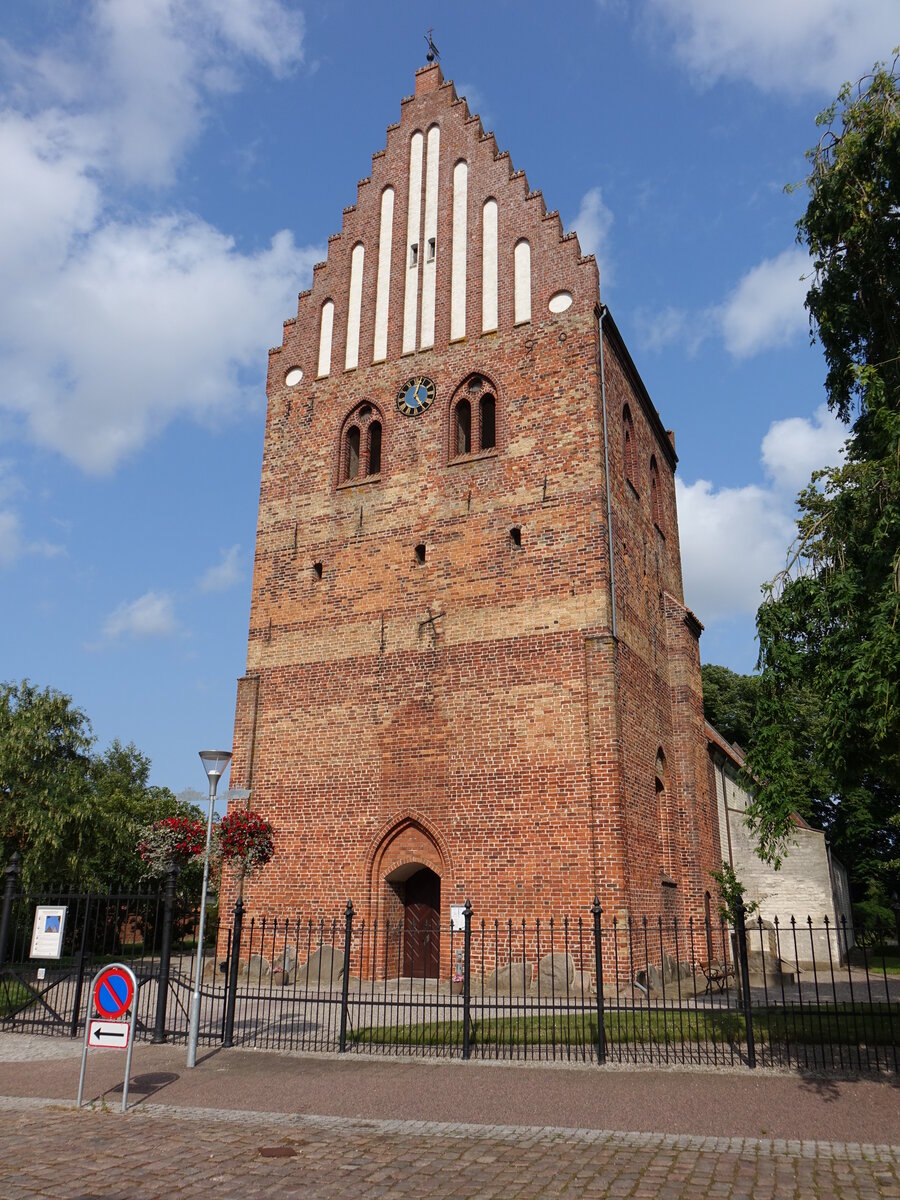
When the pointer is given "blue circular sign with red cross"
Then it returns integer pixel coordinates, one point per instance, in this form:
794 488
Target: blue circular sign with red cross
113 992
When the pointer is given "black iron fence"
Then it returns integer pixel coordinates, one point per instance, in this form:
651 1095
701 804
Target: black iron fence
577 989
153 931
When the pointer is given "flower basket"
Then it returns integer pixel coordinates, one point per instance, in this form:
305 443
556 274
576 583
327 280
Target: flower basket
171 840
246 841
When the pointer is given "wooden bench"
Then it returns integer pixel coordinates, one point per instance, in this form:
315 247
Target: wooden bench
716 974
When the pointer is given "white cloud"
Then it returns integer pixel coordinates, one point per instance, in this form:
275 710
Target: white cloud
795 447
162 318
733 539
474 98
592 224
10 538
798 46
223 574
114 327
151 615
766 310
656 330
13 543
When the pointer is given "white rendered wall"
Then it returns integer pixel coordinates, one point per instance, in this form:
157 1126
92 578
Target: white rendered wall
460 248
383 283
489 266
430 231
413 230
357 260
326 327
803 886
522 282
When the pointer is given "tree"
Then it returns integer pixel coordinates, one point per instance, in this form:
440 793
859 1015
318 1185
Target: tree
45 745
829 626
72 814
729 702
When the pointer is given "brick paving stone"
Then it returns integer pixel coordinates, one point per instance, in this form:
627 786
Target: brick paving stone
54 1153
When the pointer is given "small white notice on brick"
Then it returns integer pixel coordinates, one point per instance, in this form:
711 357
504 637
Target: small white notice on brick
109 1035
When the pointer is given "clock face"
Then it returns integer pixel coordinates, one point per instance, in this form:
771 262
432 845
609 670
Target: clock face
415 396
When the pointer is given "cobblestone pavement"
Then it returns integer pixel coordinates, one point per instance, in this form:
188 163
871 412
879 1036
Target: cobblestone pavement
62 1154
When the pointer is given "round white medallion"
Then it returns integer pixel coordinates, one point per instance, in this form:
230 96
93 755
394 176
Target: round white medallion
293 377
559 302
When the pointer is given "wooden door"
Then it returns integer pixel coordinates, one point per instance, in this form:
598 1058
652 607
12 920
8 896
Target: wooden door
422 928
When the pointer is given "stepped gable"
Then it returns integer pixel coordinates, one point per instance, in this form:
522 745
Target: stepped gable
557 263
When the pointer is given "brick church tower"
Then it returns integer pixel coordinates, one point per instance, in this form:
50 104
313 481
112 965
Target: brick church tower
470 670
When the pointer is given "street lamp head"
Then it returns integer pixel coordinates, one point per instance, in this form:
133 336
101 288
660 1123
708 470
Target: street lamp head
214 763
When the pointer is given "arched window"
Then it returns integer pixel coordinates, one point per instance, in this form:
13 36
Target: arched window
488 422
655 496
628 455
361 444
351 461
463 428
473 418
374 463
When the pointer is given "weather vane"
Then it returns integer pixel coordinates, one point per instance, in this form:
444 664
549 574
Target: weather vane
432 48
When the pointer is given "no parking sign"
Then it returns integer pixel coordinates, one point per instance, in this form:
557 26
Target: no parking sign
113 993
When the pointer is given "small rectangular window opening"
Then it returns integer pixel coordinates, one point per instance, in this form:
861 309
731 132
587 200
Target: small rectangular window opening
420 553
414 254
429 250
317 570
515 535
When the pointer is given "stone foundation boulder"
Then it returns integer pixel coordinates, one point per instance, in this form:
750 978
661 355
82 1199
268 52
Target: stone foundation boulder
556 974
259 969
512 980
583 985
324 968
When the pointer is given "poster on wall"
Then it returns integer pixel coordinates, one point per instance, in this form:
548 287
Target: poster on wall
47 934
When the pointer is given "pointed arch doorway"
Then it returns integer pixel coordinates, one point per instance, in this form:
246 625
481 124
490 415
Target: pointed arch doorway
409 870
418 889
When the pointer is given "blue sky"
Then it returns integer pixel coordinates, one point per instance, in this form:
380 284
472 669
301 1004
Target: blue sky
172 171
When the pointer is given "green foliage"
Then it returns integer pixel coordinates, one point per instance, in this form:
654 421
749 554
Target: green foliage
873 918
731 894
729 702
72 813
826 738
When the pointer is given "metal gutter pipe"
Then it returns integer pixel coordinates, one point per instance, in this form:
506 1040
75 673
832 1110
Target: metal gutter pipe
609 530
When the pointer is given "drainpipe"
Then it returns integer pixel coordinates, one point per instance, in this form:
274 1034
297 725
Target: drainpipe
609 529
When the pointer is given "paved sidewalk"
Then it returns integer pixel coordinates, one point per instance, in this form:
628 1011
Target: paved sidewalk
246 1124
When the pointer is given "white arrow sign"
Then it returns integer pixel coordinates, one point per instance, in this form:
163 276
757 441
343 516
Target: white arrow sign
109 1035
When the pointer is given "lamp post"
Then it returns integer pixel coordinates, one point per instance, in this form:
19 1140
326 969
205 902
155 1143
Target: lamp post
235 948
214 764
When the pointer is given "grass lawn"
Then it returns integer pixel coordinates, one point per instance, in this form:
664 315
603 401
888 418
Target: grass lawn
12 996
833 1023
883 958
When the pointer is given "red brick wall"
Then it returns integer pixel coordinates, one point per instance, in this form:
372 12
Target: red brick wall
475 706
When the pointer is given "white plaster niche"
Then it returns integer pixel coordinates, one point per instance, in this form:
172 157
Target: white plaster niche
458 262
559 302
326 328
522 271
354 310
413 232
293 377
383 285
489 266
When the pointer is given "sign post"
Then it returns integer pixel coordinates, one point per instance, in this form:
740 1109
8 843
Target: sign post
108 1027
